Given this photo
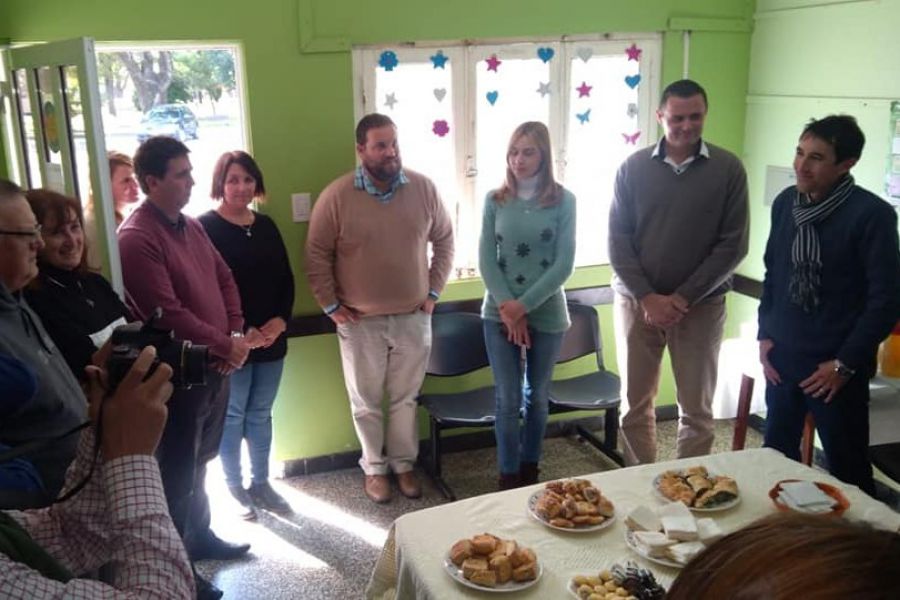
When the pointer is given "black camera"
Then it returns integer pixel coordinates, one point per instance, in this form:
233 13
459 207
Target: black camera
189 362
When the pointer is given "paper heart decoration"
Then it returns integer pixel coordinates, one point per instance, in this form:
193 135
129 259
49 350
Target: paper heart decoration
633 80
492 97
439 93
585 54
545 54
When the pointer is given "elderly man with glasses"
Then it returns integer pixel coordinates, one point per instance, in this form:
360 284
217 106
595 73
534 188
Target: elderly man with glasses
58 404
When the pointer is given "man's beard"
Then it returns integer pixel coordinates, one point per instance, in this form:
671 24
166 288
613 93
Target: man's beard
381 173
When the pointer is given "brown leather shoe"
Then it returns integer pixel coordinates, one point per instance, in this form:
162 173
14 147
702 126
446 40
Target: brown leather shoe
409 484
378 488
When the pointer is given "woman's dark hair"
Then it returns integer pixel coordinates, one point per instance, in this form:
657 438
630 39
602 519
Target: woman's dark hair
220 172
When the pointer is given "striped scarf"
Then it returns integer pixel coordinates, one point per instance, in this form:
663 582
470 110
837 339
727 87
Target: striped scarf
805 253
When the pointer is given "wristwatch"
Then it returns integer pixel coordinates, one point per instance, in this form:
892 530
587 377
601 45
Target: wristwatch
843 370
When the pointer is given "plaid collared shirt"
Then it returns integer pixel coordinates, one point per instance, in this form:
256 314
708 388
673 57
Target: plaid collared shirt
361 181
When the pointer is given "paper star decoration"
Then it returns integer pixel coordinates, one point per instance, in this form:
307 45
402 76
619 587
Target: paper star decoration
584 117
543 89
388 60
584 89
390 100
633 52
440 128
493 62
439 60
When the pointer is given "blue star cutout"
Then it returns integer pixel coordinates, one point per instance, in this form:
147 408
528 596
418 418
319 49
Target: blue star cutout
439 60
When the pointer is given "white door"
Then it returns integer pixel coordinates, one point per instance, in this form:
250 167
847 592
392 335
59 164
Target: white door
56 134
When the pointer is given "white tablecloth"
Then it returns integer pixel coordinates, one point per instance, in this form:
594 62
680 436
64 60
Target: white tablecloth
410 565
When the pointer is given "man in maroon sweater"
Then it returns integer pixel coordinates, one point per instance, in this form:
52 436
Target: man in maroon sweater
169 262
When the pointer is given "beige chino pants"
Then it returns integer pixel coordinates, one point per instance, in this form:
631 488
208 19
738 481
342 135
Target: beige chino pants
694 350
385 355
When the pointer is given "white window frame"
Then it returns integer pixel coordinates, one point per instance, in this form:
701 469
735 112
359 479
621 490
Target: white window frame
471 54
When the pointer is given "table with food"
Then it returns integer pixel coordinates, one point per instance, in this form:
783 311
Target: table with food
619 534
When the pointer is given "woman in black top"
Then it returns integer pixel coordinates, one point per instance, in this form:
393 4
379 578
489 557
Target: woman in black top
251 245
77 306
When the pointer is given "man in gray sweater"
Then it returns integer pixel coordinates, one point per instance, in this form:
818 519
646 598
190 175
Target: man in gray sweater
57 404
678 227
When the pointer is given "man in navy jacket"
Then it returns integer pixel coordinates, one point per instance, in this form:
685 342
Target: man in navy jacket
830 295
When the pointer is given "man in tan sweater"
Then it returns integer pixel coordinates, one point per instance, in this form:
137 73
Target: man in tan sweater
367 263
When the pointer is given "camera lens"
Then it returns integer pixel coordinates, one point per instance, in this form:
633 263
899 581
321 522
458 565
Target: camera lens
194 362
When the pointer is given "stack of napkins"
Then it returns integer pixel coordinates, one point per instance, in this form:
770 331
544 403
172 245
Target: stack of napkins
671 532
805 496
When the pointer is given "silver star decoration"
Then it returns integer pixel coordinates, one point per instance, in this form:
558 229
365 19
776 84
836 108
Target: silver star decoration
543 89
390 100
632 110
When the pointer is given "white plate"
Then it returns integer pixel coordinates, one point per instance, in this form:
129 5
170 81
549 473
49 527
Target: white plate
510 586
573 589
634 547
532 501
717 508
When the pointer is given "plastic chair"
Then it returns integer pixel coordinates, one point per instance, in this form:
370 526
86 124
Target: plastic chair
598 390
457 348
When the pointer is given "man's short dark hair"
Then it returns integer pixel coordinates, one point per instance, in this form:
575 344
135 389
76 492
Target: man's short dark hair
841 132
153 156
9 190
371 121
683 88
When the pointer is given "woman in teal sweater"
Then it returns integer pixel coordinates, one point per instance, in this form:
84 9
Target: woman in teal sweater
526 253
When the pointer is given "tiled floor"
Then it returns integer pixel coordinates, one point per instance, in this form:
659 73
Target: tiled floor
328 548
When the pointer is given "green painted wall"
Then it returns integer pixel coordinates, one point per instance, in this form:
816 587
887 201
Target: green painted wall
301 112
809 59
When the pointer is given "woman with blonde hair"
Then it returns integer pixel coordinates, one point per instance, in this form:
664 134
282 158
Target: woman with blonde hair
791 555
124 185
526 253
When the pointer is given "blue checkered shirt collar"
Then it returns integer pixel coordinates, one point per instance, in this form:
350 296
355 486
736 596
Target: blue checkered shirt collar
362 181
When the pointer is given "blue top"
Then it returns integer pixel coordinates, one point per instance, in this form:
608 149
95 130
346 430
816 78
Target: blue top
526 253
859 293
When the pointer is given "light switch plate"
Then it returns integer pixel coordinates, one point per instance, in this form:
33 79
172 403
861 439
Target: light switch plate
300 204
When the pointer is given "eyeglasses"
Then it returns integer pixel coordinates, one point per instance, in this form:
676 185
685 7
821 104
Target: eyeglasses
35 233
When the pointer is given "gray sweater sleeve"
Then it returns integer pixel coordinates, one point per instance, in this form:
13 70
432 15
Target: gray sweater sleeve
622 225
731 247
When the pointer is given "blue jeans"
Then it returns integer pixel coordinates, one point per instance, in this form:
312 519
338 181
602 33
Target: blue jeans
519 393
253 390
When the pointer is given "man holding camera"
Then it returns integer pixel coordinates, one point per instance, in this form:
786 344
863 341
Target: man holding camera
118 518
169 262
56 403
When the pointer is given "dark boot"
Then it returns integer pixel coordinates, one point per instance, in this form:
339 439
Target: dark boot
508 481
528 473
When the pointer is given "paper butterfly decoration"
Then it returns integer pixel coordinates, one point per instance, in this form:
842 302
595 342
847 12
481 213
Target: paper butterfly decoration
633 138
584 117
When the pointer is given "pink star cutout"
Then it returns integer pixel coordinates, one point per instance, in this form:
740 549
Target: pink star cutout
584 89
493 62
633 52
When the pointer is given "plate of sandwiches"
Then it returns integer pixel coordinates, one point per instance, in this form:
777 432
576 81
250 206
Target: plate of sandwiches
571 505
669 535
697 489
488 563
620 582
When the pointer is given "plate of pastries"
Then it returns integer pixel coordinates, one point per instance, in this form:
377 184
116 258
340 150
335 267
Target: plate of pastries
571 505
619 582
489 563
698 489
